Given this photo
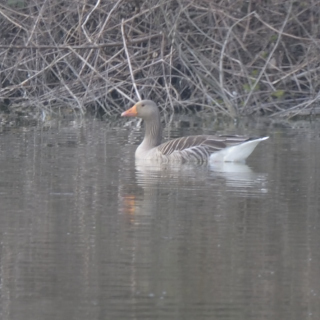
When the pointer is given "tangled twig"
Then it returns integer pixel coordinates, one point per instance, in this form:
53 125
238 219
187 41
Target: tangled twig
227 57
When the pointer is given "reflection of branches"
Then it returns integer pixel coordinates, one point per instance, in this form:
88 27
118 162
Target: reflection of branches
236 59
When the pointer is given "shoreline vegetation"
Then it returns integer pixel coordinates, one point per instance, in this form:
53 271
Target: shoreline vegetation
229 57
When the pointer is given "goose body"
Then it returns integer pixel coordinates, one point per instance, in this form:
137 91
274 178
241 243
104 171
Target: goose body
199 148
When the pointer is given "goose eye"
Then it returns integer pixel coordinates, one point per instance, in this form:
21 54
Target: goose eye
142 105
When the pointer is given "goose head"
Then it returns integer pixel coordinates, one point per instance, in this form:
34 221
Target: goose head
145 109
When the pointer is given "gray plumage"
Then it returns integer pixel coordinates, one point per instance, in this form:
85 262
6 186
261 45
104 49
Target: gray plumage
200 148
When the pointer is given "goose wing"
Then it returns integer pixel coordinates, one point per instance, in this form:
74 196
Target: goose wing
209 144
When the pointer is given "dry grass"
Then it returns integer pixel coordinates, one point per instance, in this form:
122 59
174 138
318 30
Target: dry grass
230 57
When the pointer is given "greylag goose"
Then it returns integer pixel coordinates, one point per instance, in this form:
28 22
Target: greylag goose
200 148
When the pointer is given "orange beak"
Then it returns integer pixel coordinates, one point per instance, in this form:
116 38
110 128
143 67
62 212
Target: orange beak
132 112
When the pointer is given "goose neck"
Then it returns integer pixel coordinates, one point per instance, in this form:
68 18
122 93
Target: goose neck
153 131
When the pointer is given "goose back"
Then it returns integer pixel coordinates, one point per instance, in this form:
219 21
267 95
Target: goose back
204 148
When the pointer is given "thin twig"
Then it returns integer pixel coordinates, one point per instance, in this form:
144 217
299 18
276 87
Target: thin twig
253 87
86 20
128 59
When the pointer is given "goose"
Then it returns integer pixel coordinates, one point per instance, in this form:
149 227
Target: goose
197 148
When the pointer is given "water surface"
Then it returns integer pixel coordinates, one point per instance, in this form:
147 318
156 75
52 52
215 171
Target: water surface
87 233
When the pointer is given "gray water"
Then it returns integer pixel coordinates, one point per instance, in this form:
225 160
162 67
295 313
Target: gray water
87 233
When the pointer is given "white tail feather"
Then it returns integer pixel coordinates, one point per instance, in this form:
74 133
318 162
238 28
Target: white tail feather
236 153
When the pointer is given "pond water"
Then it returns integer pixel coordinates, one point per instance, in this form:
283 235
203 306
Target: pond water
87 233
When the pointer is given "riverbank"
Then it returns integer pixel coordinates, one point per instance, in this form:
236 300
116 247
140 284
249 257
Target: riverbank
231 59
